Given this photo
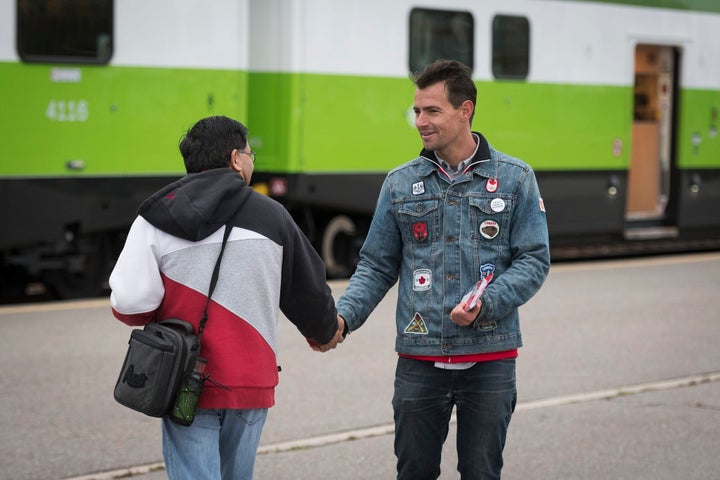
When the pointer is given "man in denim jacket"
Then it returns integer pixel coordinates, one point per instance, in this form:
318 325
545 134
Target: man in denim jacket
459 213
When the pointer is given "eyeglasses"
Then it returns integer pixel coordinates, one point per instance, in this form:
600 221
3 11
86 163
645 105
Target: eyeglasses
250 154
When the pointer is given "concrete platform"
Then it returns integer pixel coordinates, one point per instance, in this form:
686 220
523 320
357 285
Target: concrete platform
619 378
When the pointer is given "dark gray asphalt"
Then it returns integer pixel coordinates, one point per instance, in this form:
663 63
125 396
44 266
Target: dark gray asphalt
619 379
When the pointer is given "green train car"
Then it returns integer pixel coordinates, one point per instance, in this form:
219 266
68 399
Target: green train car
614 103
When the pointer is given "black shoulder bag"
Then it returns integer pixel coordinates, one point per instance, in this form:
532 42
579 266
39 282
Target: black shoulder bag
163 373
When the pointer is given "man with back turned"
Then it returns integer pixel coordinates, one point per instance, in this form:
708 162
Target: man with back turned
268 266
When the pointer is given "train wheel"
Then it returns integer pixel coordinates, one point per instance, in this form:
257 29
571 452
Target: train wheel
340 246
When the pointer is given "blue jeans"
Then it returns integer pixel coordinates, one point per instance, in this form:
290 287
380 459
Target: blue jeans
484 396
220 444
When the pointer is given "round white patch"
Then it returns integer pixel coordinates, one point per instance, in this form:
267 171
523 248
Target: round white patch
489 229
497 205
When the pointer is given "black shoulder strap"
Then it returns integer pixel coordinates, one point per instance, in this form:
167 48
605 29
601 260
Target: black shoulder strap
213 282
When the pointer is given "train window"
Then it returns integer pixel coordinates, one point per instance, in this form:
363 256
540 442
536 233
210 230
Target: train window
67 31
438 34
510 47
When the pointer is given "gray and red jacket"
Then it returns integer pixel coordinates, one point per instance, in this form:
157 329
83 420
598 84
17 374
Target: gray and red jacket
268 267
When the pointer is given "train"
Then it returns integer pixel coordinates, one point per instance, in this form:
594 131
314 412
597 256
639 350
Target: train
614 103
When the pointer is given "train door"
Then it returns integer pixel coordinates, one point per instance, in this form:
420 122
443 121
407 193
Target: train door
649 199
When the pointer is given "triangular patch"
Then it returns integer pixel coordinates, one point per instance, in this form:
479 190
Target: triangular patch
417 326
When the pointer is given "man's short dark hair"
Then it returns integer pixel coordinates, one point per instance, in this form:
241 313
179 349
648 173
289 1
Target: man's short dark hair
457 77
209 143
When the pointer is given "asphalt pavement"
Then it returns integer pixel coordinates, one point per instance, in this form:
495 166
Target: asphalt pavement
619 378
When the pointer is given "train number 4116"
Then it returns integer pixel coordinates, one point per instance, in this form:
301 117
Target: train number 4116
67 110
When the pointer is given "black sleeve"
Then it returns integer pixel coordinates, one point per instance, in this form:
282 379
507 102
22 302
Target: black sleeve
305 297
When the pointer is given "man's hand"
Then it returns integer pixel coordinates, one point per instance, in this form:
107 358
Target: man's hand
338 338
465 318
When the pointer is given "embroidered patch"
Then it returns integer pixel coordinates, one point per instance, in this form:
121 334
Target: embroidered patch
420 231
422 279
134 380
418 188
491 185
417 326
487 270
489 229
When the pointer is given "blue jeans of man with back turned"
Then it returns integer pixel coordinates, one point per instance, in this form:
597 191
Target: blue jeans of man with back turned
484 396
220 444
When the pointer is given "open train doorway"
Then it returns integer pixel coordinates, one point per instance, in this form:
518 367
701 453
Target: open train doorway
650 179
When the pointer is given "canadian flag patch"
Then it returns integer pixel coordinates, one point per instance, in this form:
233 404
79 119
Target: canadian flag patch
422 279
491 185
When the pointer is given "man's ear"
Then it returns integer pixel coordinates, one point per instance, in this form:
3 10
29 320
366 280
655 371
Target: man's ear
235 161
467 108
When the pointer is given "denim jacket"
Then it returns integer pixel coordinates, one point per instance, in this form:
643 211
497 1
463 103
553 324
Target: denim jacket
439 237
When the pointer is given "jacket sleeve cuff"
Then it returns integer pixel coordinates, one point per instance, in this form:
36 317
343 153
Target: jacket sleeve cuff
486 311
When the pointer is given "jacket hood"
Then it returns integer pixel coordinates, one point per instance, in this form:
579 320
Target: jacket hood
197 205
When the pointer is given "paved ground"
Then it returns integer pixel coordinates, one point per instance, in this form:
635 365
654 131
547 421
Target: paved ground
619 379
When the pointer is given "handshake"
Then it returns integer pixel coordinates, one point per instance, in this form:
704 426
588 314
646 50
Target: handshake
338 338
